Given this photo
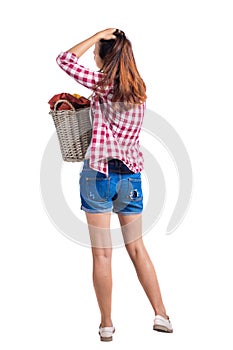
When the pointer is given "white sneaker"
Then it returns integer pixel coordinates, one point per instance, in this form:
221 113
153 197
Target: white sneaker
106 333
162 324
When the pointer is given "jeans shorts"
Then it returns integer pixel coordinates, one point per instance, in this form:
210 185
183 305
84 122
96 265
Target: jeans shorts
119 192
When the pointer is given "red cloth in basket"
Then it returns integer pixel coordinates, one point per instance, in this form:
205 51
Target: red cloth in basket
77 103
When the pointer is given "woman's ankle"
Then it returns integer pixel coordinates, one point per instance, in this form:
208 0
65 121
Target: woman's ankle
106 323
161 312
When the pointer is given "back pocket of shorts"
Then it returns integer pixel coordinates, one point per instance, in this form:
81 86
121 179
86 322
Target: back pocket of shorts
134 189
98 189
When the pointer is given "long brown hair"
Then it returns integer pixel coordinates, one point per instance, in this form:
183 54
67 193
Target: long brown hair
120 70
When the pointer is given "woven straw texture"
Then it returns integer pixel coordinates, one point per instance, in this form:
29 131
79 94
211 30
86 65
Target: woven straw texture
74 131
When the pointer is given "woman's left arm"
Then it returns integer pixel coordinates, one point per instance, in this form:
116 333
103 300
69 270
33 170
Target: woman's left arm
82 47
69 60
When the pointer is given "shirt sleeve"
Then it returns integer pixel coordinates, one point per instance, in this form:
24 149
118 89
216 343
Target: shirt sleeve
69 62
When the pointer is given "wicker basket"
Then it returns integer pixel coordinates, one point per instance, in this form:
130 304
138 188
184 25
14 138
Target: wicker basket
74 131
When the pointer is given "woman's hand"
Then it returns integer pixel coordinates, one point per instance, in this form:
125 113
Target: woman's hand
82 47
107 34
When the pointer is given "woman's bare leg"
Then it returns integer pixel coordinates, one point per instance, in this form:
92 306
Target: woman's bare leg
99 229
131 226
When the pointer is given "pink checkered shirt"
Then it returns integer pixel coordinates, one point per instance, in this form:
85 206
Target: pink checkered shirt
114 134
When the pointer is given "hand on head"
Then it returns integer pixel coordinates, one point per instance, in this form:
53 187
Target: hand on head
111 33
107 34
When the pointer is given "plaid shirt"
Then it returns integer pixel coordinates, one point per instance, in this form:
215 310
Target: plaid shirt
114 134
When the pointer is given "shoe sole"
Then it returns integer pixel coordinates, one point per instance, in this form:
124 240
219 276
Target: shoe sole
106 339
163 329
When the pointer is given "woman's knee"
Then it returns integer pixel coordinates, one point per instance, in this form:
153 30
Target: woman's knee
102 254
134 248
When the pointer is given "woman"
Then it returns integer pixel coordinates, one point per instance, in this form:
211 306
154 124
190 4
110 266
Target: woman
111 174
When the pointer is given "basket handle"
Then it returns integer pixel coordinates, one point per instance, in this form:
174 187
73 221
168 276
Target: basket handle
63 101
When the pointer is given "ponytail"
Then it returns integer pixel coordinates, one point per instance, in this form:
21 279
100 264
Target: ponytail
121 71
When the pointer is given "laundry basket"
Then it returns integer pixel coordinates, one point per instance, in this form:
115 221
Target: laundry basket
74 131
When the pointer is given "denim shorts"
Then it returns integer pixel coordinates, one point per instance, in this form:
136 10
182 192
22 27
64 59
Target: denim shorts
119 192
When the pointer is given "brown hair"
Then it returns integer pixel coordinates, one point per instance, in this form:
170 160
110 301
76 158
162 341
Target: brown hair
120 70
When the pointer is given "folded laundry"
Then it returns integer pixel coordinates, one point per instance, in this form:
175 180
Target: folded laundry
75 100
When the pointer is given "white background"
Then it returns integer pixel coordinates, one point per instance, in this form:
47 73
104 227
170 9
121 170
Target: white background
184 53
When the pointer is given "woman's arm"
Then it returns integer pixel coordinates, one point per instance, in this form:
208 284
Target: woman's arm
82 47
69 60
